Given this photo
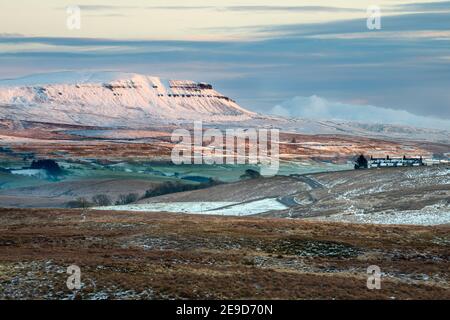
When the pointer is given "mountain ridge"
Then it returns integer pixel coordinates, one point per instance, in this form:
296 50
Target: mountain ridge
82 97
118 99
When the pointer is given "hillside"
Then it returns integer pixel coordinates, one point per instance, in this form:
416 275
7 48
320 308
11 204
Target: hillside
382 196
113 99
128 100
165 256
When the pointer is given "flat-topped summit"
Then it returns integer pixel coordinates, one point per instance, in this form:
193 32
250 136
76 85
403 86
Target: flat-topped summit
112 98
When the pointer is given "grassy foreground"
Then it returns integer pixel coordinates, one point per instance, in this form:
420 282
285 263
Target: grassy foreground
126 255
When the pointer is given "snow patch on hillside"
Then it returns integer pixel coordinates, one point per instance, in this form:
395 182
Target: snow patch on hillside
207 208
430 215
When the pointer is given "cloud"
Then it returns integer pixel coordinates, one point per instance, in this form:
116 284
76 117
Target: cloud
90 7
315 107
395 23
181 7
404 66
238 8
291 9
423 6
11 35
389 35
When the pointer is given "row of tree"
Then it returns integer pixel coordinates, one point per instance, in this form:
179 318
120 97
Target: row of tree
102 200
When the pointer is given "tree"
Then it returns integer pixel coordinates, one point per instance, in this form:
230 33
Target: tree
174 187
127 198
80 202
51 166
101 200
361 162
251 174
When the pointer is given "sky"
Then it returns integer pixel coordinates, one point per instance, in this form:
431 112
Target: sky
269 56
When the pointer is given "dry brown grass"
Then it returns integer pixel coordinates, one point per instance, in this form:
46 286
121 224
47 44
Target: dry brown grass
126 255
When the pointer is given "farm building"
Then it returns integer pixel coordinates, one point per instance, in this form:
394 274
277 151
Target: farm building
395 162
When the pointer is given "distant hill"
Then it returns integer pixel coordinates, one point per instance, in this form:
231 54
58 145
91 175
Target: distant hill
113 99
117 99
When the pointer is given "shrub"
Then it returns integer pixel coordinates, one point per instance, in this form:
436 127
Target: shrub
101 200
51 166
81 202
127 198
251 174
174 187
361 162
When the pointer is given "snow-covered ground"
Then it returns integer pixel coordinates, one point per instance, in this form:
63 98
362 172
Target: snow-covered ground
208 208
39 173
249 208
112 98
431 215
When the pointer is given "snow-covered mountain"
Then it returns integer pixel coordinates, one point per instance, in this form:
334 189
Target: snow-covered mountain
117 99
113 98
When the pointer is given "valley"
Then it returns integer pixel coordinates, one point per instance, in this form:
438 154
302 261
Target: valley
87 178
131 161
